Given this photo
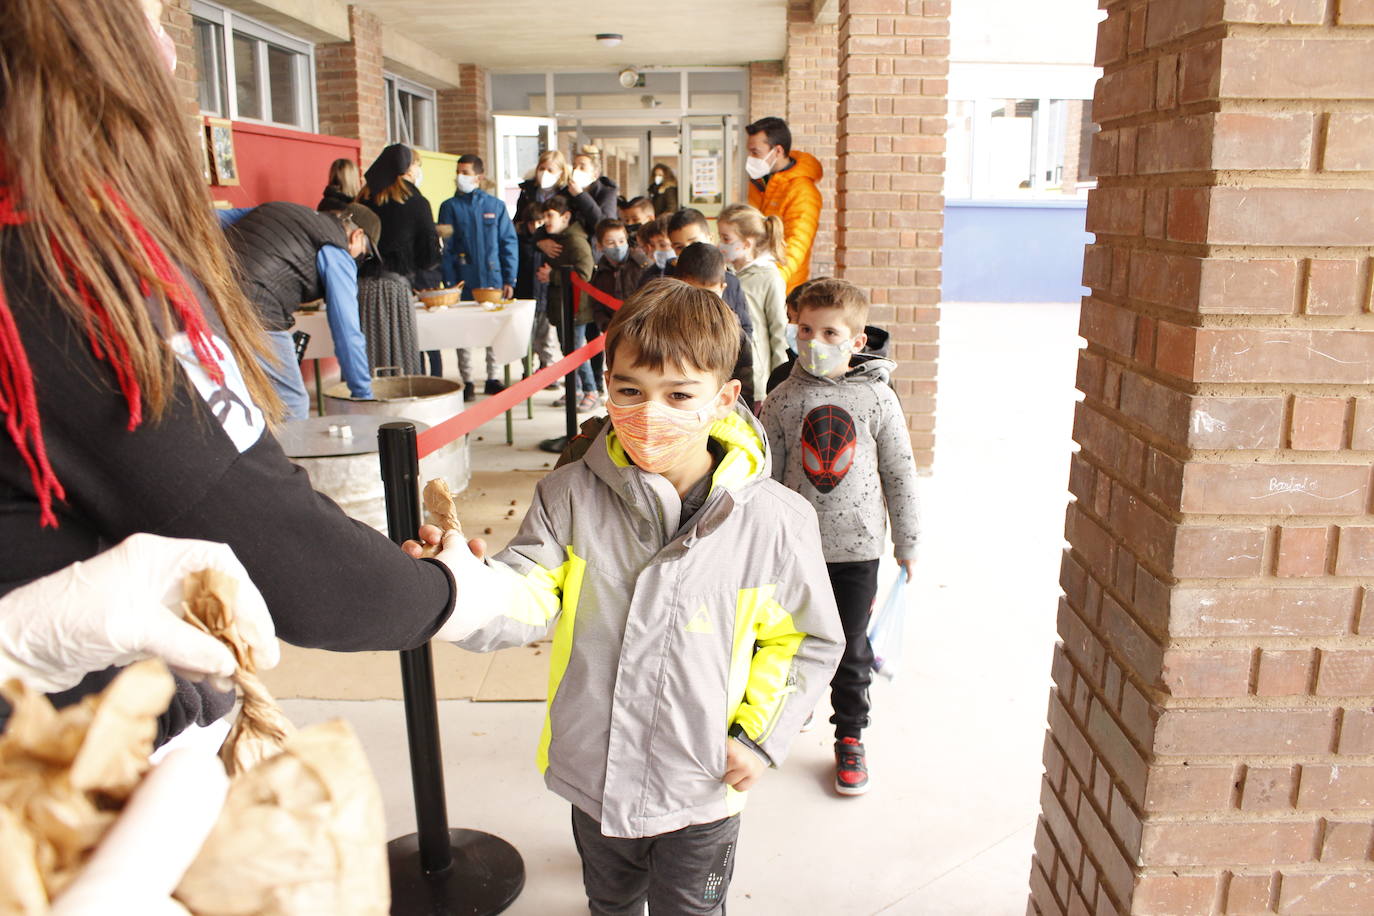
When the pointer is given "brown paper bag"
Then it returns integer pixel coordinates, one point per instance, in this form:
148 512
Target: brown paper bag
64 776
302 831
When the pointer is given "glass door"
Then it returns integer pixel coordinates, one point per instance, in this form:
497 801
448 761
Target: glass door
519 141
708 163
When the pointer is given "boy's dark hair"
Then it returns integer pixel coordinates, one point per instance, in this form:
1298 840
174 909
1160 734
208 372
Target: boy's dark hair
606 225
556 204
701 263
669 322
795 296
475 162
652 230
831 293
688 217
638 205
779 134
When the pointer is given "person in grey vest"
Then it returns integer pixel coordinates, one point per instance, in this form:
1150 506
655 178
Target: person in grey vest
287 254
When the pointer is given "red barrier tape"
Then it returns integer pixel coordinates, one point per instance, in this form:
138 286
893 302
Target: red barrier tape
605 298
436 437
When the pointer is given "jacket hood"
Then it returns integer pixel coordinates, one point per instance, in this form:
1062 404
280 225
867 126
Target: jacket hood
877 340
863 367
804 165
744 466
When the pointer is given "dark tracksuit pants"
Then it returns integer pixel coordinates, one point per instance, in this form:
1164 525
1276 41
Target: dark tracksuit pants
855 586
682 873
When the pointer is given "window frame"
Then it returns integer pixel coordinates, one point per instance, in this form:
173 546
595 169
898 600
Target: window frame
395 84
231 23
1049 133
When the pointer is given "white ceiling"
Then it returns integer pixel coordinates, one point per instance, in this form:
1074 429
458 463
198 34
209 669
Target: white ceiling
556 34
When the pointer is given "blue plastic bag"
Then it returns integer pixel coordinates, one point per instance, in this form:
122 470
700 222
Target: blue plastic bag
887 629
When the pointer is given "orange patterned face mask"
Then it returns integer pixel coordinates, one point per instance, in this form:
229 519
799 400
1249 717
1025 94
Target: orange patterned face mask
657 436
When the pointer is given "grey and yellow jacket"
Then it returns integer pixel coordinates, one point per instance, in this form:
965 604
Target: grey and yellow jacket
843 444
667 638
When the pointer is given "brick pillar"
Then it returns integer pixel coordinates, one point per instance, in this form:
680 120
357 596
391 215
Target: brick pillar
894 57
812 87
1211 743
767 90
348 84
464 117
176 19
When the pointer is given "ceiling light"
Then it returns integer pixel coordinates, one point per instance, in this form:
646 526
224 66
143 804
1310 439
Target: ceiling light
609 39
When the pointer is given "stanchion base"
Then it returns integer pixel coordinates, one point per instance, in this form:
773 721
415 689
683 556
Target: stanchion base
486 877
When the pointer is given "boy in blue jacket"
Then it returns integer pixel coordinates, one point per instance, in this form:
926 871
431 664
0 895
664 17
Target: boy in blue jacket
480 248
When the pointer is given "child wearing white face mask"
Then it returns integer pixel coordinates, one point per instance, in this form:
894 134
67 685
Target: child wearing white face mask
875 338
753 247
839 438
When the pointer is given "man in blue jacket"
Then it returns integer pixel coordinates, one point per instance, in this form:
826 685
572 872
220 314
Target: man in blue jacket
480 248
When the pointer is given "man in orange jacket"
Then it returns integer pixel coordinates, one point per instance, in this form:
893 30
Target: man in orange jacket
783 184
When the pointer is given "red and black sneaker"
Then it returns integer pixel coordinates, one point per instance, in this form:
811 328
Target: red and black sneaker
851 773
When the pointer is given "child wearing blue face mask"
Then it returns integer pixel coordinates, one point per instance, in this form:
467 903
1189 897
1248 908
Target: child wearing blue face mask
619 270
839 438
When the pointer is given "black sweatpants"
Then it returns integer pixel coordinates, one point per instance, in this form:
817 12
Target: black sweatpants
683 873
855 586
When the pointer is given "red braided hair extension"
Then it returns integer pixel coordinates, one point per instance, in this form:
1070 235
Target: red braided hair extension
18 400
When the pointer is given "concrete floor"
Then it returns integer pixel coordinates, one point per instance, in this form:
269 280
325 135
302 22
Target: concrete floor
955 748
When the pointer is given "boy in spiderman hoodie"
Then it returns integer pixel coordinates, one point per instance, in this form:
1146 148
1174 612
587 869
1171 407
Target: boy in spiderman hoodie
839 438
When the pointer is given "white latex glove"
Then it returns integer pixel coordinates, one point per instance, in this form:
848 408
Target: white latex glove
123 605
483 592
145 854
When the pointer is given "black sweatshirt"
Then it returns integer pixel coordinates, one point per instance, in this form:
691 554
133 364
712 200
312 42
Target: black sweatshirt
208 469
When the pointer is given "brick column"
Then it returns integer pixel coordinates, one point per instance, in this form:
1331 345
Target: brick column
767 90
894 57
464 117
812 88
1211 744
176 19
348 84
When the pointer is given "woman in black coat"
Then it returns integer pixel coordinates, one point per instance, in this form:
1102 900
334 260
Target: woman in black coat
410 242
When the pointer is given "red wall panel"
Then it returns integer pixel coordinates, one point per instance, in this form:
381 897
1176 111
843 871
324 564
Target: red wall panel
278 164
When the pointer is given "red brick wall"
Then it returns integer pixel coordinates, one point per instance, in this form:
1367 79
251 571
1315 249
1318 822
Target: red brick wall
464 117
767 89
812 91
1211 745
349 88
893 61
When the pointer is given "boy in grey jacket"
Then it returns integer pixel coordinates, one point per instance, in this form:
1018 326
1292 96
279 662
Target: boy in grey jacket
693 626
839 439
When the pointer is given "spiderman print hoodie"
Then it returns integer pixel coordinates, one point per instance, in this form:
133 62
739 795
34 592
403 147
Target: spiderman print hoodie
843 444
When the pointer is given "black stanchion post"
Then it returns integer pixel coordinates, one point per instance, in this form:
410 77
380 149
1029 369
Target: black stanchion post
434 871
569 316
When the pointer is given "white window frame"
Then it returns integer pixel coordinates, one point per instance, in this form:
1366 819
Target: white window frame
230 23
396 84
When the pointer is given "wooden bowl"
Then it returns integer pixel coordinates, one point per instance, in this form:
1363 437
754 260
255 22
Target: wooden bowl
440 298
487 295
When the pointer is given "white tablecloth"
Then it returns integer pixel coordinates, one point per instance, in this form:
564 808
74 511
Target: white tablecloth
466 325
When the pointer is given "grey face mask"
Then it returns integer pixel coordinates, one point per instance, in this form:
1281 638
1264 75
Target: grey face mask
661 258
825 360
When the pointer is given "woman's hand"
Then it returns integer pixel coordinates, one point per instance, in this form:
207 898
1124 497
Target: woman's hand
123 605
550 248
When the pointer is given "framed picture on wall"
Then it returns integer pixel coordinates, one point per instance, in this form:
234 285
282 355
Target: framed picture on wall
219 138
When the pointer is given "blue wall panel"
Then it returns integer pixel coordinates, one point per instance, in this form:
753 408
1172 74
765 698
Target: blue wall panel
999 251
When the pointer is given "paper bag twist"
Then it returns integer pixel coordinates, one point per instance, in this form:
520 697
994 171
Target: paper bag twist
261 728
441 511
